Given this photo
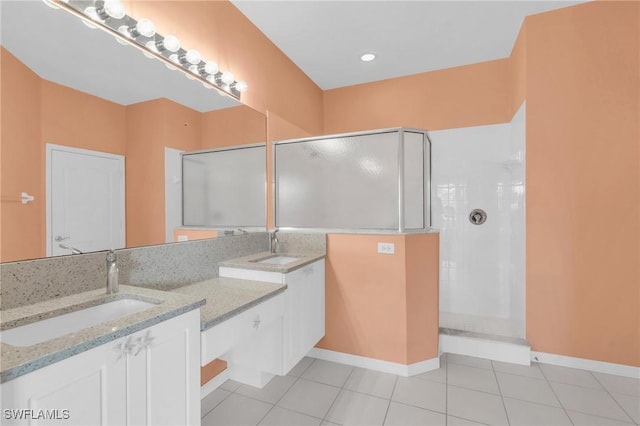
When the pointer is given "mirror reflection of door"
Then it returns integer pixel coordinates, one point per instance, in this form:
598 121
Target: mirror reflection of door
85 200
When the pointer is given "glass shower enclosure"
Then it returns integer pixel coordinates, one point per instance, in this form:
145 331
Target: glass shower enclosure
367 181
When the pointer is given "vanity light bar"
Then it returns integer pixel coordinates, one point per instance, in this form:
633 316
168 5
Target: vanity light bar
110 16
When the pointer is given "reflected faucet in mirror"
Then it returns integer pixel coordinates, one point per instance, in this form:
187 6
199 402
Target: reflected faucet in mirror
72 249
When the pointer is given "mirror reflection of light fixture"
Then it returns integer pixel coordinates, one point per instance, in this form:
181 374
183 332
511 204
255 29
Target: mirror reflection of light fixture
110 16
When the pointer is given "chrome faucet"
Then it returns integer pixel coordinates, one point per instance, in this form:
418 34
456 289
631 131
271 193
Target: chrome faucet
72 249
273 241
112 272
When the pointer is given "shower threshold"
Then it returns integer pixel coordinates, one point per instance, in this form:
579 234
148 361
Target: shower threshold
513 350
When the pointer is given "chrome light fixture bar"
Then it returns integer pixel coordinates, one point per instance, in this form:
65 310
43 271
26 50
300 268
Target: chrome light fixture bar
110 16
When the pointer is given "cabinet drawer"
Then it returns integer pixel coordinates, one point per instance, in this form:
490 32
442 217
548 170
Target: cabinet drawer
219 339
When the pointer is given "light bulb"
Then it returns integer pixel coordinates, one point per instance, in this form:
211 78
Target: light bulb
242 86
211 67
212 79
121 41
227 78
92 13
124 30
114 9
145 28
175 58
170 43
194 69
192 56
368 57
226 87
151 45
51 4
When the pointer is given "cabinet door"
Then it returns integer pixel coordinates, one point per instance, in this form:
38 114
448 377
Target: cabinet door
163 370
304 323
86 389
314 305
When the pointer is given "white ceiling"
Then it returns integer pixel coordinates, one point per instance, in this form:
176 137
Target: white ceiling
60 48
326 38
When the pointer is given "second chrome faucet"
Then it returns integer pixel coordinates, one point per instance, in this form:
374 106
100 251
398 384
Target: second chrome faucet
112 272
273 241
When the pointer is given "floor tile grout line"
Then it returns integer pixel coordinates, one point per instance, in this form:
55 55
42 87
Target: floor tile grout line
324 418
214 407
290 409
589 388
504 404
612 397
395 382
557 397
446 391
275 403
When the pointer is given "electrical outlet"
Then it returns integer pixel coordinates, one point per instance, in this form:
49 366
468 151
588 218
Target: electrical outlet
183 238
386 248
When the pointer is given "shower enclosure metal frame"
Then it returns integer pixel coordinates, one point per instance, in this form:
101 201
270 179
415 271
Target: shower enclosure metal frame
426 172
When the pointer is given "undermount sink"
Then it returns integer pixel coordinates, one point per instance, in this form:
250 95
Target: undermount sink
84 317
277 260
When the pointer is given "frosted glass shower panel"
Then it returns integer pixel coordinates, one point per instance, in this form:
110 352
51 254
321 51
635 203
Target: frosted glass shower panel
346 182
376 180
225 188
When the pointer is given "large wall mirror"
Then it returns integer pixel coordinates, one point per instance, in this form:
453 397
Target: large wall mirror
78 110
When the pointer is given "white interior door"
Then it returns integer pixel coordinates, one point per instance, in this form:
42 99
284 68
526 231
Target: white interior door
85 200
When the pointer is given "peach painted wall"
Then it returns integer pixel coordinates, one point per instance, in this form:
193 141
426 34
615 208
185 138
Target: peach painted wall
22 162
518 71
152 126
422 264
194 234
463 96
240 125
38 112
222 33
583 182
577 68
77 119
369 310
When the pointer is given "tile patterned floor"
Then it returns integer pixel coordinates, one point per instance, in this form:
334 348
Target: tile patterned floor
464 391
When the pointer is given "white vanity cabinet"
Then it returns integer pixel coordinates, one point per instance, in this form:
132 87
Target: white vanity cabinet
304 307
150 377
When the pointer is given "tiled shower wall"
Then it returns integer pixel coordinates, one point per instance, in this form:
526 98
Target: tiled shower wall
481 266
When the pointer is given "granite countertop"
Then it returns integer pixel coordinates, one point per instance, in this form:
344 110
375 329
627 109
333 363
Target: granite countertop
251 261
19 360
227 297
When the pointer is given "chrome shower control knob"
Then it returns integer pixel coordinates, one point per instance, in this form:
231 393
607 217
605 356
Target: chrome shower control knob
477 216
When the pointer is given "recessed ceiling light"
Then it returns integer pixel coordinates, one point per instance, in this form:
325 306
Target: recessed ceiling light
367 57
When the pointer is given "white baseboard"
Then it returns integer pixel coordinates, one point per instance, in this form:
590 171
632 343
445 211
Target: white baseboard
214 383
375 364
587 364
487 349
